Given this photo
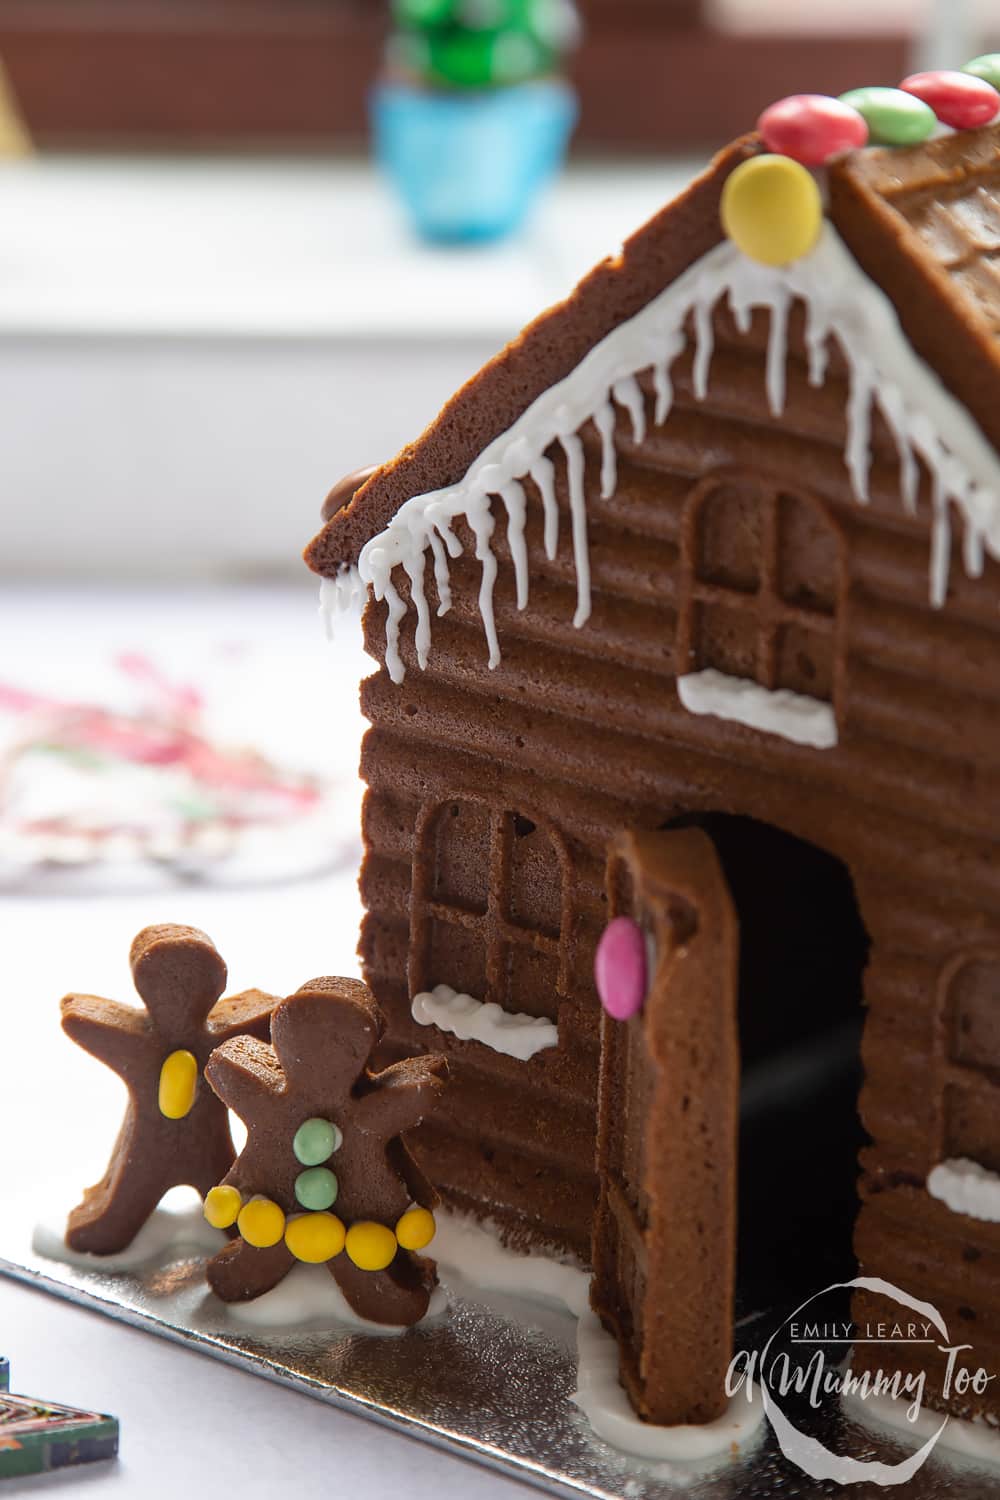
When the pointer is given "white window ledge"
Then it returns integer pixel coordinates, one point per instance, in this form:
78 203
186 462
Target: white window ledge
793 716
966 1188
474 1020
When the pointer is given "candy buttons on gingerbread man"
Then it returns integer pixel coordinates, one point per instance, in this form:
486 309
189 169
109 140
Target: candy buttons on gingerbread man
175 1130
324 1130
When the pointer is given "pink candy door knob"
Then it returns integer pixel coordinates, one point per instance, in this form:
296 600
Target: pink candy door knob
620 969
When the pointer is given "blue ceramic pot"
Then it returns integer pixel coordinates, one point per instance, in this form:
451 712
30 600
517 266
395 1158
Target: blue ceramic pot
469 166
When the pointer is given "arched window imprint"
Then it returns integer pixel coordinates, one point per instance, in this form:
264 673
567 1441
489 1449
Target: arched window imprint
760 608
969 1059
489 913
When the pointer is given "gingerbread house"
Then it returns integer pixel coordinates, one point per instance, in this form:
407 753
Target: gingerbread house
687 607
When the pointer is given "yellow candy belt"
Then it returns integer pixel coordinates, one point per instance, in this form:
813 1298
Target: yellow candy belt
318 1237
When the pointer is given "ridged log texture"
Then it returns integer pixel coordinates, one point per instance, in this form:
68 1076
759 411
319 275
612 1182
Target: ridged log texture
580 733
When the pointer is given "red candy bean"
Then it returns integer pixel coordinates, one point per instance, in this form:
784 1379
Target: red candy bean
810 128
958 99
620 968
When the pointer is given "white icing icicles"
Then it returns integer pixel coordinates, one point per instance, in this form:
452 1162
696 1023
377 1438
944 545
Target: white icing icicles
928 424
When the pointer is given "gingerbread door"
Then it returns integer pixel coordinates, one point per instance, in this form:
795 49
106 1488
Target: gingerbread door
665 1231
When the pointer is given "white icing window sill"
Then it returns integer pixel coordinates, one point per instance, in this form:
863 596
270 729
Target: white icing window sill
966 1188
474 1020
792 716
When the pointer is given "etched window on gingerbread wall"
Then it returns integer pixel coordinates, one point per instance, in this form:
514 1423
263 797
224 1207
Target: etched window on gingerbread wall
762 575
488 920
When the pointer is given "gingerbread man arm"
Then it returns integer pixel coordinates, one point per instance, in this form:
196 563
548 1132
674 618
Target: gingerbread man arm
115 1034
245 1074
401 1095
247 1014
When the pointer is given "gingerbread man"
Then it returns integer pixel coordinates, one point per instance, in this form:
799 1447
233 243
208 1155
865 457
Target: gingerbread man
175 1130
324 1177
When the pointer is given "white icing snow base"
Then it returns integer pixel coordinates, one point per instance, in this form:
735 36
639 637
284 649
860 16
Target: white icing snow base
975 1440
309 1299
481 1260
966 1188
468 1253
602 1399
474 1020
167 1232
841 302
793 716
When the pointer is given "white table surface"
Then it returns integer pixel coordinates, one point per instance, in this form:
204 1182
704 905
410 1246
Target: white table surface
189 1423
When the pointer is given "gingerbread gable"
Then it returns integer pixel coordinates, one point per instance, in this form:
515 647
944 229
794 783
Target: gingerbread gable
931 206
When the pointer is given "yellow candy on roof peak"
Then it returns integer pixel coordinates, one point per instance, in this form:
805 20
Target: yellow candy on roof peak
771 209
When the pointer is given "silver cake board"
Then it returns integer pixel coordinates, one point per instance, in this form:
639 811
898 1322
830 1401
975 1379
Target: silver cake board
490 1382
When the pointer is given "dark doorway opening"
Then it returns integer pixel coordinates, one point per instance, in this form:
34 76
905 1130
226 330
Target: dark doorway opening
803 949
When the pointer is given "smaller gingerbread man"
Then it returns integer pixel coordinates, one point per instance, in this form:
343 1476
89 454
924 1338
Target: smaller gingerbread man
175 1130
324 1177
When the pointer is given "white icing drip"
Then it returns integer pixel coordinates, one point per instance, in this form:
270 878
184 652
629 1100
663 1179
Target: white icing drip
573 448
940 543
777 356
974 1439
704 347
628 393
337 596
422 638
840 302
972 551
793 716
817 353
890 399
663 387
472 1020
397 609
543 472
514 499
604 421
442 578
859 423
966 1188
482 524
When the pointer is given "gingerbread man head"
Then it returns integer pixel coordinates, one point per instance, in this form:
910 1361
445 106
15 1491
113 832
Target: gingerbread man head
179 974
325 1034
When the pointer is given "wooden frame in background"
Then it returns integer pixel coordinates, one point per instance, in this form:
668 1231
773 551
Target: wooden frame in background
294 73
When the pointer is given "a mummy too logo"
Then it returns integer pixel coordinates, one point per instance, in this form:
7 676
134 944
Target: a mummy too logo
814 1366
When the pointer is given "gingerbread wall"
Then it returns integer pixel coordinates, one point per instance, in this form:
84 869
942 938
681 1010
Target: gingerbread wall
580 733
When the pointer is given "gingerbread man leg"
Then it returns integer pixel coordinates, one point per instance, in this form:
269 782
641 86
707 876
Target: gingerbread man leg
398 1296
115 1209
240 1272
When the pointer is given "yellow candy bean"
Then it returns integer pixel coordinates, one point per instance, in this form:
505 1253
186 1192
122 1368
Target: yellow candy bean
370 1246
222 1206
771 209
416 1228
315 1238
261 1223
178 1081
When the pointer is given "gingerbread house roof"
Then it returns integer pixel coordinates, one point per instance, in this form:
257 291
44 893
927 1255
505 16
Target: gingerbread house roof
906 277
